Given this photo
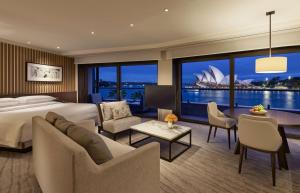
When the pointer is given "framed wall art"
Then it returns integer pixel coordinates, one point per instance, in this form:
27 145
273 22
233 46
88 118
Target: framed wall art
44 73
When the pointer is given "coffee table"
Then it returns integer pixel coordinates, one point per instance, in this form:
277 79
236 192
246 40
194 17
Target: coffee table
159 130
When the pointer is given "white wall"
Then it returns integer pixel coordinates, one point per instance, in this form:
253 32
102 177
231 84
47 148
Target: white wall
129 56
165 68
279 39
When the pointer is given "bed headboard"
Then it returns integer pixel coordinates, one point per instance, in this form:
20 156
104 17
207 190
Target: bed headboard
61 96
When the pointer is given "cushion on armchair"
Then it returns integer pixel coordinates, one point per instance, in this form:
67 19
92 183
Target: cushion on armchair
108 109
115 126
121 110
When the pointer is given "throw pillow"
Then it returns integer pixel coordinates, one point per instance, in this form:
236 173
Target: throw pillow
51 117
91 142
63 125
121 110
107 112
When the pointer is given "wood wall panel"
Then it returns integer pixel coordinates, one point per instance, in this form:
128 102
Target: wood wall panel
13 60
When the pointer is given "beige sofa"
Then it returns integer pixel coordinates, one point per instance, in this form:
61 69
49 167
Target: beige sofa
63 166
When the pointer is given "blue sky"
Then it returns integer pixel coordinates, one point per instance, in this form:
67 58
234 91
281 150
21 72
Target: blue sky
139 73
244 68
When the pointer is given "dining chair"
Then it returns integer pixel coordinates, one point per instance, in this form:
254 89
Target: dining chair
217 119
260 134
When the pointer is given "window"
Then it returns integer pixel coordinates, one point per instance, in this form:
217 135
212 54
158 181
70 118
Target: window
202 82
122 82
276 91
107 83
134 78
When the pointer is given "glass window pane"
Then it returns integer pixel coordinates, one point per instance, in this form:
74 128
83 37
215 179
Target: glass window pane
108 83
276 90
202 82
133 81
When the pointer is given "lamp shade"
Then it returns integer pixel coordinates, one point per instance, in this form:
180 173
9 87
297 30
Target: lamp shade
271 65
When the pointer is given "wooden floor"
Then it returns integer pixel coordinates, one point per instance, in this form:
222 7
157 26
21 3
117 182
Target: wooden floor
210 168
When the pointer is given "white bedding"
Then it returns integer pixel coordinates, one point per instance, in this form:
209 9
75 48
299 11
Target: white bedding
16 121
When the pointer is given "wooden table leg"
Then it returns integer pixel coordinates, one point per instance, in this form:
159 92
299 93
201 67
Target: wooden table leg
284 139
237 147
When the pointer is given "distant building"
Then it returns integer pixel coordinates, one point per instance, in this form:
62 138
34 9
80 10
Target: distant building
213 77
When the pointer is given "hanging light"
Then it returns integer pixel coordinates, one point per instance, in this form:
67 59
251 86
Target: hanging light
271 64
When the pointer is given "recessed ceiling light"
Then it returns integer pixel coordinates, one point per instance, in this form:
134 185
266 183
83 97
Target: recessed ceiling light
93 33
28 42
58 47
131 25
166 10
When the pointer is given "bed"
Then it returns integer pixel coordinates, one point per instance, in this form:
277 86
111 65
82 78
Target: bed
16 117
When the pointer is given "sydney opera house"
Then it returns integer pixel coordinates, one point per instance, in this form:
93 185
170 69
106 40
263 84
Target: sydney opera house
214 78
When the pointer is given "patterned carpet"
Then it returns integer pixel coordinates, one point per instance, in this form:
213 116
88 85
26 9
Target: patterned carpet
206 168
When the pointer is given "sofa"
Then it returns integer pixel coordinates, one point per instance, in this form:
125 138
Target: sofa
115 126
63 166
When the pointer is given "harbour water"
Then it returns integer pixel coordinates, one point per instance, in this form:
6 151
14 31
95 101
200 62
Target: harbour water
289 100
276 99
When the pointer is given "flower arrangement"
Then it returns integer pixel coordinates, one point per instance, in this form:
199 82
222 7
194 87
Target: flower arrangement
171 118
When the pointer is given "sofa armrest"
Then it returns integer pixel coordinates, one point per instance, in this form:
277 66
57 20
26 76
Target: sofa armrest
134 172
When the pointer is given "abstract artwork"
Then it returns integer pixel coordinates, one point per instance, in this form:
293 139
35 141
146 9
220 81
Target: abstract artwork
44 73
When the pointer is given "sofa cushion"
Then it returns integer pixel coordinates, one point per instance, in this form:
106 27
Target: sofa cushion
51 117
116 149
121 110
116 126
107 109
62 124
94 145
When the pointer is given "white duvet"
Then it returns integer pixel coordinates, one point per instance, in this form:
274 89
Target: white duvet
16 121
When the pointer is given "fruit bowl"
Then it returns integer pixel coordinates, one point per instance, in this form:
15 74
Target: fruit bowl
261 112
258 110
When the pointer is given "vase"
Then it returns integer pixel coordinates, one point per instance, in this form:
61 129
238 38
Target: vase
170 124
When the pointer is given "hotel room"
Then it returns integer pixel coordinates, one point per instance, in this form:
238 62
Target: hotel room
149 96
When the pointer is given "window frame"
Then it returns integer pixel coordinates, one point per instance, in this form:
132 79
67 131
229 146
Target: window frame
118 65
177 74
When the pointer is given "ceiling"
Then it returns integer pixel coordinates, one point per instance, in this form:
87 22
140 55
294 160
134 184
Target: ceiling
68 23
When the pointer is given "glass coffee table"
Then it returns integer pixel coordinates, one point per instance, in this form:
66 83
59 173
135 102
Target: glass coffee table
159 130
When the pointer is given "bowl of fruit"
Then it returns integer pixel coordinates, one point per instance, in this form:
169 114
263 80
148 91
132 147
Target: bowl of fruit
258 110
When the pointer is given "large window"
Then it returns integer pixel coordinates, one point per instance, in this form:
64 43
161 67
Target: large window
123 82
277 90
202 82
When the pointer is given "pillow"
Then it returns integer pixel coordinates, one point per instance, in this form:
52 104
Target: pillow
8 102
35 99
107 109
51 117
91 142
107 112
62 124
121 110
